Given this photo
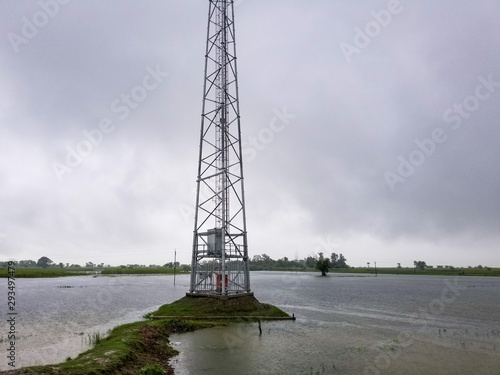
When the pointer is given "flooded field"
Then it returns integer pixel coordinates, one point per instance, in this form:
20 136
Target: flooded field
358 325
390 324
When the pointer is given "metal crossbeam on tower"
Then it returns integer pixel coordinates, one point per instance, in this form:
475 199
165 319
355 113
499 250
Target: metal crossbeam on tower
220 249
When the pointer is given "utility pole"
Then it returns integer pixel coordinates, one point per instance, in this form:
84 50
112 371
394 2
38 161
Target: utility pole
175 263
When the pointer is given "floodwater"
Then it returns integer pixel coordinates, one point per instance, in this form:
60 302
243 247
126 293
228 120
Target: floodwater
56 316
390 324
346 324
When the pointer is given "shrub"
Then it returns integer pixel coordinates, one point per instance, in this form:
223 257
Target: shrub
152 370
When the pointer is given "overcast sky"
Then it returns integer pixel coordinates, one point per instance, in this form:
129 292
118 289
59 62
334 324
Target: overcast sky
371 128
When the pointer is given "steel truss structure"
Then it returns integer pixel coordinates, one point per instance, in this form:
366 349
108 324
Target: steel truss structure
220 249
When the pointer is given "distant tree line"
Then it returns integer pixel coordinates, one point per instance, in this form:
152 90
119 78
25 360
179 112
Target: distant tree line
47 263
261 262
264 262
419 265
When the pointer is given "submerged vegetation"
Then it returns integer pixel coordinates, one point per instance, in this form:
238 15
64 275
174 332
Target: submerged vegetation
94 338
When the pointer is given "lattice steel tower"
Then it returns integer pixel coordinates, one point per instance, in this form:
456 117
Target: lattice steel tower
220 250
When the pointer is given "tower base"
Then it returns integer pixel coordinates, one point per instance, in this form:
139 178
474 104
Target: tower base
220 297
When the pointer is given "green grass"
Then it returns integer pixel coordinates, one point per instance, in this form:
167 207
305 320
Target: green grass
43 272
128 349
94 338
141 271
58 272
428 271
143 347
234 307
254 267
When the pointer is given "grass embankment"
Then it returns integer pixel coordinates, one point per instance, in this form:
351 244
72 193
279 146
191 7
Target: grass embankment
142 271
61 272
55 272
253 267
427 271
143 347
247 306
42 272
127 350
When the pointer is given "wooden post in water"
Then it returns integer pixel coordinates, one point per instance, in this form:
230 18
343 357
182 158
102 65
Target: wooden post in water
175 261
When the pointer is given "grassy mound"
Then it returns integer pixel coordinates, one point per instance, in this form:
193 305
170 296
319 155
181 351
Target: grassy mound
233 307
128 349
144 347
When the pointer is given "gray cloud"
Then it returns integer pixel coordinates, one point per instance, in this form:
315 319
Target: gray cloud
320 176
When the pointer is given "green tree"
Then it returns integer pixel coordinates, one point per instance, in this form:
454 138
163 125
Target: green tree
310 262
266 258
342 262
334 257
421 265
323 264
44 262
27 263
338 261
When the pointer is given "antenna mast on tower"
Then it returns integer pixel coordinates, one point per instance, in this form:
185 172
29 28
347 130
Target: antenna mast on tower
220 251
